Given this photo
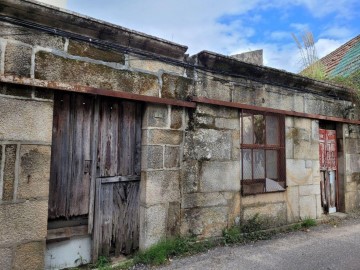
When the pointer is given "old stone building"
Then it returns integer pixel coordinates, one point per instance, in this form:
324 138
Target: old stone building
111 140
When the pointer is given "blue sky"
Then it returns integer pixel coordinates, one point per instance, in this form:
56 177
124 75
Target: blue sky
235 26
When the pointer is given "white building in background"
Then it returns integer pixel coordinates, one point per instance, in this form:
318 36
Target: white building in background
57 3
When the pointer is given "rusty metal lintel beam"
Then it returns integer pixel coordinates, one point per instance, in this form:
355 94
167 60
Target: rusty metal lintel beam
42 84
270 110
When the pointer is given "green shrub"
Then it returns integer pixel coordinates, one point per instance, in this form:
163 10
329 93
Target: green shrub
308 222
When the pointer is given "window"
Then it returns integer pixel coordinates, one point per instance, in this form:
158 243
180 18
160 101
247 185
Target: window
262 152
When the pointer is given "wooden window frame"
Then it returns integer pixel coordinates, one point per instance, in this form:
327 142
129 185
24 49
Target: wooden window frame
280 148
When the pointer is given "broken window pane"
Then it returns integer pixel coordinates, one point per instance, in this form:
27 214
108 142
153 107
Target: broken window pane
259 129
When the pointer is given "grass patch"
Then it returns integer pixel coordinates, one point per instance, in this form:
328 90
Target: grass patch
308 222
172 247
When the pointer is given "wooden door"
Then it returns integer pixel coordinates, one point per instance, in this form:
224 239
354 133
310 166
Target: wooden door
95 169
328 169
116 223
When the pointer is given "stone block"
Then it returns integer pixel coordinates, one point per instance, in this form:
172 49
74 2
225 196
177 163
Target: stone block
9 172
223 123
154 66
173 219
172 157
152 225
190 176
234 204
220 176
353 163
265 198
351 201
292 203
152 157
319 209
271 214
161 136
34 171
298 103
176 86
29 121
204 199
248 94
204 121
57 68
315 131
297 174
29 256
26 221
352 146
302 123
289 142
235 145
155 116
306 190
217 111
289 121
204 222
160 187
304 148
6 256
213 89
209 144
17 60
31 36
88 50
177 114
307 206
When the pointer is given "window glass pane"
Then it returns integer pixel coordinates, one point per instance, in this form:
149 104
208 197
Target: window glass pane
272 130
272 164
259 163
247 128
259 129
247 163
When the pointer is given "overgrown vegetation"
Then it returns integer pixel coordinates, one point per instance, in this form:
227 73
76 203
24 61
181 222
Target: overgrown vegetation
308 222
312 67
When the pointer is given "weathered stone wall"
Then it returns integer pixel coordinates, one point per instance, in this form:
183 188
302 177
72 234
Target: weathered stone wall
25 139
352 167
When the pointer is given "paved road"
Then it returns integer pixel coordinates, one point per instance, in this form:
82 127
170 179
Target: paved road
323 247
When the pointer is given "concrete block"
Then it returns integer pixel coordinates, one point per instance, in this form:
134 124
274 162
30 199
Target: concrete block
9 172
209 144
6 258
161 136
30 121
297 173
156 115
153 65
152 225
204 199
26 221
190 176
30 256
309 190
176 86
31 36
172 157
88 50
152 157
160 187
220 176
173 219
217 111
204 222
56 68
308 206
17 60
223 123
34 171
292 203
177 114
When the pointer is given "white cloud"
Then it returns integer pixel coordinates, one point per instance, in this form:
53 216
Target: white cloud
280 35
338 32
